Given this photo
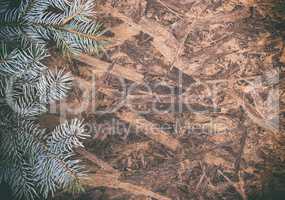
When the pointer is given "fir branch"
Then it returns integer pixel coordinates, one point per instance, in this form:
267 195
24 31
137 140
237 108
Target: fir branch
22 179
79 9
54 85
90 30
10 16
4 4
66 137
20 62
62 170
37 163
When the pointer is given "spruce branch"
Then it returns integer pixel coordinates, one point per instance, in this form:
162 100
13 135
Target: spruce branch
40 21
34 162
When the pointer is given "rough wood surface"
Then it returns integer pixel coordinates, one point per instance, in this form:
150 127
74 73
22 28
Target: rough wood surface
217 67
